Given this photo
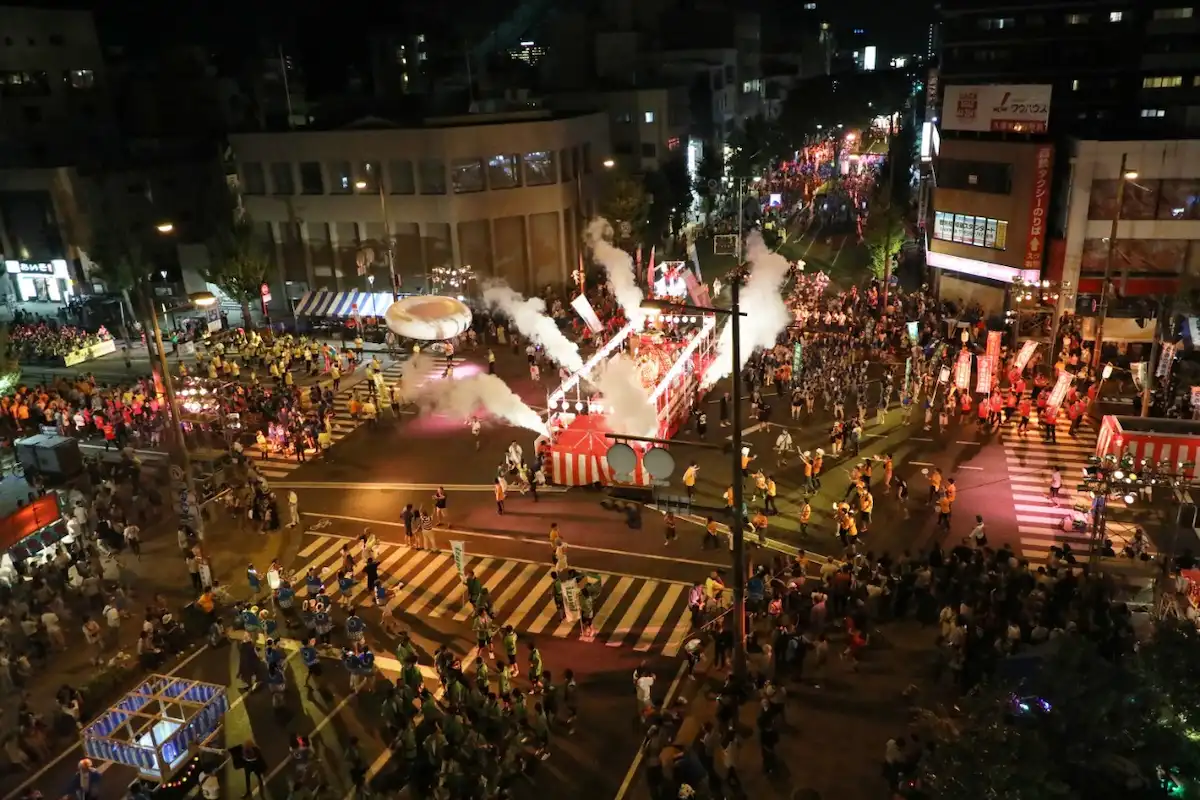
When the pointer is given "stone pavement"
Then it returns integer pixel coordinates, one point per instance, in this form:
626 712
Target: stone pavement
838 721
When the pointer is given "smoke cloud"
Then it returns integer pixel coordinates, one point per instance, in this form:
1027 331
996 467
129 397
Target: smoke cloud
618 265
620 383
762 300
529 316
467 397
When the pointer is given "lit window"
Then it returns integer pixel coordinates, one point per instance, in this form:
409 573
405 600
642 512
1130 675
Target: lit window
810 6
81 78
1075 85
1162 82
997 23
648 116
421 38
970 230
1078 19
1154 112
1115 16
1173 13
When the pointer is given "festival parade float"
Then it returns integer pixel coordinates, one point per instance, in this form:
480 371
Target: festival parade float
159 728
671 353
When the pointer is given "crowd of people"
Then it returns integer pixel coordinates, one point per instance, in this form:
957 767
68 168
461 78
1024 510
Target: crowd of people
46 342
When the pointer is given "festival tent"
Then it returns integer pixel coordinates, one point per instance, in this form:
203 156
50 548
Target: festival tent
578 455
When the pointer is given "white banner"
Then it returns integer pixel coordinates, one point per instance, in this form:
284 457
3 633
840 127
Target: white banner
1165 359
1059 393
571 598
460 557
584 309
1027 351
994 107
1138 370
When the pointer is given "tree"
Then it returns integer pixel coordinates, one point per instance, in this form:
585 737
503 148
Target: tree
708 181
755 146
883 235
10 366
1088 722
238 264
117 247
623 202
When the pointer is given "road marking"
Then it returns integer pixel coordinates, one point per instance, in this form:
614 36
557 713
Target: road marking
637 758
963 442
385 487
964 466
922 464
919 439
518 539
316 729
752 429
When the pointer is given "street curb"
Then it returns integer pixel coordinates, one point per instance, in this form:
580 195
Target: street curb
769 544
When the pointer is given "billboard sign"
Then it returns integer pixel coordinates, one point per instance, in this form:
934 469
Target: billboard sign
1010 108
1039 207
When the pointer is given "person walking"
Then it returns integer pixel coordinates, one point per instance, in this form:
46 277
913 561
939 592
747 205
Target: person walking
499 490
253 765
439 507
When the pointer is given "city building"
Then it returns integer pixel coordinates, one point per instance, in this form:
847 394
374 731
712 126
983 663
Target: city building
1158 230
54 95
1117 68
504 194
989 209
647 125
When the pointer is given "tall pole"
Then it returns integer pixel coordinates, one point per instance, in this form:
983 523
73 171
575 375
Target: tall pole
1099 506
736 523
387 238
1155 354
185 460
1108 265
887 247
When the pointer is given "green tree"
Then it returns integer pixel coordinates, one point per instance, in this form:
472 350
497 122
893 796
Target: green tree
238 264
117 246
883 235
1084 724
709 173
755 146
624 203
10 365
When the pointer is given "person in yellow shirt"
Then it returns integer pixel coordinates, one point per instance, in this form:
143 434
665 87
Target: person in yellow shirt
499 491
887 474
866 505
746 459
818 462
935 484
805 516
772 491
711 535
951 491
689 479
760 526
728 499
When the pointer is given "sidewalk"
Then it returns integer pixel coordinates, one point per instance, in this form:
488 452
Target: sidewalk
837 721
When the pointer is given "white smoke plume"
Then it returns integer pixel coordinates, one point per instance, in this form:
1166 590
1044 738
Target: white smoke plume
620 383
528 315
761 299
468 397
618 265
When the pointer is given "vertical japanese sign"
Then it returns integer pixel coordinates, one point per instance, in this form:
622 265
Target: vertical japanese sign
914 330
458 549
1039 207
1027 351
962 370
983 375
1165 359
797 359
583 308
571 597
1060 390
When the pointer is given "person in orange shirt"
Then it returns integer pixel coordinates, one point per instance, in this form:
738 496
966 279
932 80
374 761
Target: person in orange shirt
499 495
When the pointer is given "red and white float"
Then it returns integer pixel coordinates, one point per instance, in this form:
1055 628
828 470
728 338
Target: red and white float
671 367
1170 442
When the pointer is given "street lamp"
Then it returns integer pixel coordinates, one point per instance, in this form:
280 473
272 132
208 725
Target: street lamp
362 186
609 163
165 227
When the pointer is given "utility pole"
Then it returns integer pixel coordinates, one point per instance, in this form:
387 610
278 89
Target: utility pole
1105 286
736 523
887 247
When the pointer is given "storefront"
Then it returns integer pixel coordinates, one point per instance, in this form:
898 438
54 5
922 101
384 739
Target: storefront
27 535
40 281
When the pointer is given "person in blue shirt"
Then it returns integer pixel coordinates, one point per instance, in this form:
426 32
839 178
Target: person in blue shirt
285 595
324 623
254 581
313 582
250 620
345 588
277 684
272 654
756 589
312 661
354 627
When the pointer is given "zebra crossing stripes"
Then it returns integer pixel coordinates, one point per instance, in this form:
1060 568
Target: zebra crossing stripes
644 613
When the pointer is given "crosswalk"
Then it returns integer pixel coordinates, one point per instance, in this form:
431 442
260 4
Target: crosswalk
1030 460
648 614
279 465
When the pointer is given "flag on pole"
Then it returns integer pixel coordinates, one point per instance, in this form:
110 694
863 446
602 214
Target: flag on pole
458 549
1027 351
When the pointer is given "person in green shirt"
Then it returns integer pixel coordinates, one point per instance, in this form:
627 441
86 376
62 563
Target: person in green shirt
535 666
474 587
541 732
481 673
502 688
510 647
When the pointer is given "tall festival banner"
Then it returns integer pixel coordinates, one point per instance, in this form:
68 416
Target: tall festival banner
1039 208
637 267
983 375
1027 351
962 370
459 551
649 268
571 597
1165 359
583 307
992 359
1059 393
